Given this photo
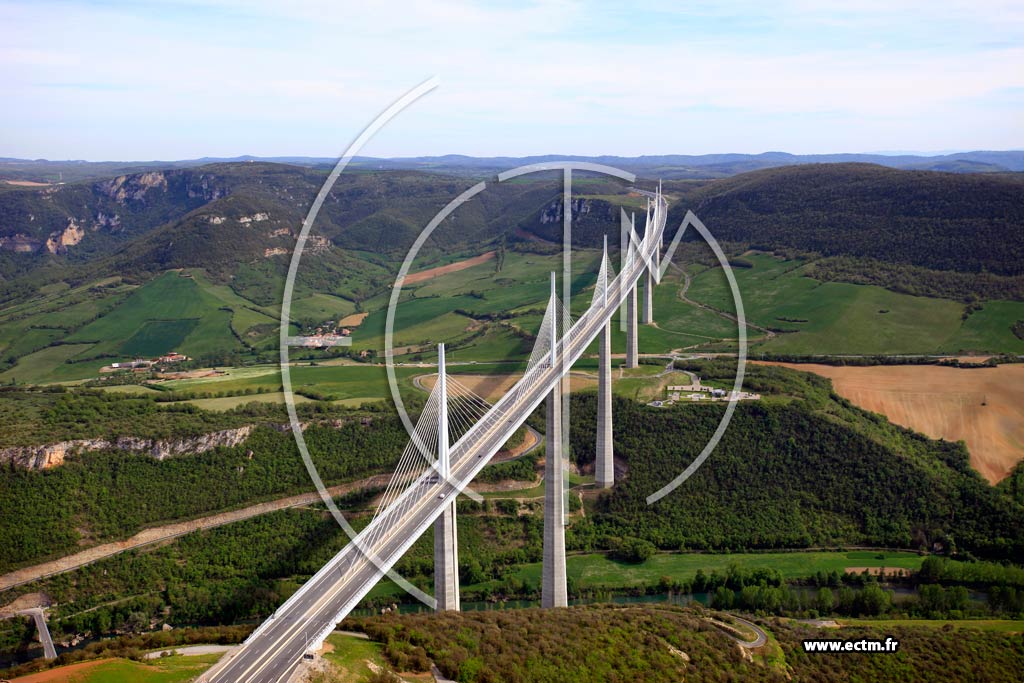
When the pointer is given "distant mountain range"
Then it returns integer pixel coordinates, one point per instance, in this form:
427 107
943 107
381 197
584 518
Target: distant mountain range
239 221
668 166
85 244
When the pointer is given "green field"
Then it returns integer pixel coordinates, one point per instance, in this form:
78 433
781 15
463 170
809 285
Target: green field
485 315
599 571
157 337
350 655
170 297
174 669
839 318
595 571
998 625
361 382
48 366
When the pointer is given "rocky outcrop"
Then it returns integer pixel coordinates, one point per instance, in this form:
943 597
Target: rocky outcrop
317 244
132 187
110 222
60 240
255 218
52 455
205 186
592 220
20 243
552 213
243 220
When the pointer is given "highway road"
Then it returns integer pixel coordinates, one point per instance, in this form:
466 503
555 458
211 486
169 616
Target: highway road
37 614
273 652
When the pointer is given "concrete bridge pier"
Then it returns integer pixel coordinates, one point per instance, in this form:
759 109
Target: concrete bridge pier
648 309
605 464
554 592
632 346
649 280
446 539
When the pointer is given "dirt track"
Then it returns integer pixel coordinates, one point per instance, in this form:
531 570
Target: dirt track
63 674
982 406
494 386
431 273
168 531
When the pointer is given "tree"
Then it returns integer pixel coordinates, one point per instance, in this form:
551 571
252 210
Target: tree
723 598
825 601
874 600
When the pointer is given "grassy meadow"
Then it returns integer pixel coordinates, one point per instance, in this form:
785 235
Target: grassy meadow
486 315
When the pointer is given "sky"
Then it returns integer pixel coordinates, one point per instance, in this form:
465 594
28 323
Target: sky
141 80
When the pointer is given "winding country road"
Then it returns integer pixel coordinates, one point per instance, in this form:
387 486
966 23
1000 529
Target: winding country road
687 279
732 632
165 532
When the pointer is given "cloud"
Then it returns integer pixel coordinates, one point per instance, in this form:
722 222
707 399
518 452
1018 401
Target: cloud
234 76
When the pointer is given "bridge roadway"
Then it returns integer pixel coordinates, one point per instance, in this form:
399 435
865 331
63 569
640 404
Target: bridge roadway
273 652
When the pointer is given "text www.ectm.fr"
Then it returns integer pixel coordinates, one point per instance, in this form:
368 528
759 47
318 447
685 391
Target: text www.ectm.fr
855 645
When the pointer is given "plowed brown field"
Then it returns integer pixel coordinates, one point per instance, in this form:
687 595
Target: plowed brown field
982 406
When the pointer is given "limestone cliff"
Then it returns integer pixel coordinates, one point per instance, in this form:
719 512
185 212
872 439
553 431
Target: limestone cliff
71 235
52 455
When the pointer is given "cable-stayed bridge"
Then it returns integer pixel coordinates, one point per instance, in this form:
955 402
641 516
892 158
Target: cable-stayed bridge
455 437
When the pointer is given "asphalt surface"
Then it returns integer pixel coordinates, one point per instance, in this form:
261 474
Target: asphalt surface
37 614
761 638
276 648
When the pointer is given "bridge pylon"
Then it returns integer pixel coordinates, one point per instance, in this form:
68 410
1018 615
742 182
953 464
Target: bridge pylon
647 315
604 467
446 540
630 245
554 589
632 343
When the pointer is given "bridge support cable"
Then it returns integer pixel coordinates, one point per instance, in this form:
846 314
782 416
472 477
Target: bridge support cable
325 599
545 346
465 411
418 453
652 275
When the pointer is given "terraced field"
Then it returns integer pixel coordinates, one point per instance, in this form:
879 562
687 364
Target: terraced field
837 318
486 315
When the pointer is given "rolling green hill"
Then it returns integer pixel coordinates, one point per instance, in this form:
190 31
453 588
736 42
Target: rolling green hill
233 227
936 220
809 316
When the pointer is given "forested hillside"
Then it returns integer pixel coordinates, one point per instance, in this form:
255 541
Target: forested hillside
964 222
221 215
814 471
106 495
654 643
801 469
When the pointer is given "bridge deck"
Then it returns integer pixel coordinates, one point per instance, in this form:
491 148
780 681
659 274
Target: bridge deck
275 649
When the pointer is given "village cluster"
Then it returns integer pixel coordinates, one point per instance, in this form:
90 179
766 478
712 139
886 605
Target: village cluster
700 392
